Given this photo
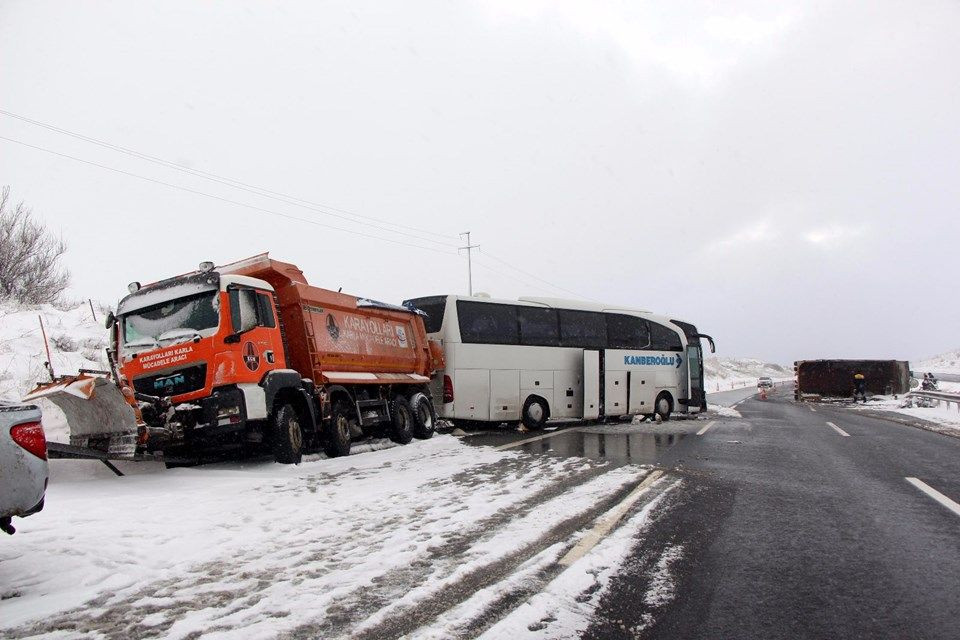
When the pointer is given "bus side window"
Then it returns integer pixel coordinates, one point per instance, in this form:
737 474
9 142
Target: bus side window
664 338
585 329
487 323
627 332
538 326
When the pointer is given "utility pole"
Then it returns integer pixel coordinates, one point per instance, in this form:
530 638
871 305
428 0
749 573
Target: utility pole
468 248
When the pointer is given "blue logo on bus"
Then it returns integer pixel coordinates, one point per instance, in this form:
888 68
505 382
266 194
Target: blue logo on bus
654 360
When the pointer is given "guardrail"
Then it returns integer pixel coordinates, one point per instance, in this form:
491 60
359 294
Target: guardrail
940 396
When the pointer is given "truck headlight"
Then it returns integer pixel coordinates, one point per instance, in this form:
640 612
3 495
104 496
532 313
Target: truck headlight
225 412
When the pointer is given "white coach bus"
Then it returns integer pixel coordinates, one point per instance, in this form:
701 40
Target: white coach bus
533 359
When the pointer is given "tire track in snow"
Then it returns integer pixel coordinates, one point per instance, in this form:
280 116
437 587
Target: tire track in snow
267 590
525 559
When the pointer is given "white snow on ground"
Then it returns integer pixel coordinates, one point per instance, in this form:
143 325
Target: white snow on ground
76 342
662 588
723 374
260 549
725 412
943 415
563 609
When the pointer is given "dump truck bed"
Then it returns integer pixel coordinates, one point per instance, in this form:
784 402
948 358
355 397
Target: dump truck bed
333 337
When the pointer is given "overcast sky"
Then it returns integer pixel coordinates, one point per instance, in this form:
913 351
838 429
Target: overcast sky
784 175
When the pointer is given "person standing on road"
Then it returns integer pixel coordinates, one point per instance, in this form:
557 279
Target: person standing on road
859 386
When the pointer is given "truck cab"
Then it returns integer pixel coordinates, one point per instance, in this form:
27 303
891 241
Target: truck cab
202 345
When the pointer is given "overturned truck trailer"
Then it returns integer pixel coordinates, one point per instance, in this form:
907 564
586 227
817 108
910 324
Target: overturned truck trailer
835 378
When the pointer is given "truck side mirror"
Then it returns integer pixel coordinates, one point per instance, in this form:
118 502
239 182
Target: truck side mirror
111 319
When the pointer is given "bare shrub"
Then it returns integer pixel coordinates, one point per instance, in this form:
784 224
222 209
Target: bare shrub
30 269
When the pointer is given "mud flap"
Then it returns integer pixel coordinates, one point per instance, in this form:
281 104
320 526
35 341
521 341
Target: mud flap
98 415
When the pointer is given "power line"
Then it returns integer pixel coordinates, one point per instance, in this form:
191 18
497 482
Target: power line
237 184
526 273
222 199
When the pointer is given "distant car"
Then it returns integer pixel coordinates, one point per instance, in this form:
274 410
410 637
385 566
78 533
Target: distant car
23 463
764 383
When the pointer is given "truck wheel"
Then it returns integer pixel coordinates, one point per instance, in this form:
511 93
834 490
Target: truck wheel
663 406
287 436
535 413
424 416
401 430
337 440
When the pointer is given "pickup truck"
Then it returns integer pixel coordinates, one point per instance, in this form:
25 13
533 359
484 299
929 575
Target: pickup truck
23 463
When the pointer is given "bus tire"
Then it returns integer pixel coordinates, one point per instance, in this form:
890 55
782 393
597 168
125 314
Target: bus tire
337 440
287 436
535 413
401 429
424 416
664 406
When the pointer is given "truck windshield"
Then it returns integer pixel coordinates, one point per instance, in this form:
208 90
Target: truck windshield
172 321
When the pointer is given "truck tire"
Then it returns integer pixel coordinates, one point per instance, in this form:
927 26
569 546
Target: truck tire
424 416
337 440
401 430
663 406
287 435
535 413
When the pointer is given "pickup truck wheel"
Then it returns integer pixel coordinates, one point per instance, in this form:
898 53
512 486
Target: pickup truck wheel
424 416
401 430
287 436
337 440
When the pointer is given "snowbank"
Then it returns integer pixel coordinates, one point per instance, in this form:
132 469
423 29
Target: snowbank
76 342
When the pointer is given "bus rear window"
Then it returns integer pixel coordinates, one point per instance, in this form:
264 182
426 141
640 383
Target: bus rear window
434 308
487 323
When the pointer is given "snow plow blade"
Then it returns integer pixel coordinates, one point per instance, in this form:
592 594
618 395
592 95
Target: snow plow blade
98 415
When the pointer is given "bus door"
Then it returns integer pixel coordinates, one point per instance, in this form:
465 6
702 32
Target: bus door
695 369
591 384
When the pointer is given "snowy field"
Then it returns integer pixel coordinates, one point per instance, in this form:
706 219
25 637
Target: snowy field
435 539
944 416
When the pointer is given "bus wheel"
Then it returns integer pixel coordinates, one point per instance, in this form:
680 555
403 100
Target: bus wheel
664 406
535 413
287 436
337 440
402 428
424 416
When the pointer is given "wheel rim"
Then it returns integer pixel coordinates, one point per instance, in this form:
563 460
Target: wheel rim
426 419
296 437
343 427
535 412
663 406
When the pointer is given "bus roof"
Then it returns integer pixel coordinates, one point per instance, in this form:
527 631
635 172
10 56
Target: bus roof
562 303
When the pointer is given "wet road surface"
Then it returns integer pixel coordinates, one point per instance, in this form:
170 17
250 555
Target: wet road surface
791 522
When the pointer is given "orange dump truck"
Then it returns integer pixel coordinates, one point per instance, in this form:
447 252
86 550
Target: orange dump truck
249 356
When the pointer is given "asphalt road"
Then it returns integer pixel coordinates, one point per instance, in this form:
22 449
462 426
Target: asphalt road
788 529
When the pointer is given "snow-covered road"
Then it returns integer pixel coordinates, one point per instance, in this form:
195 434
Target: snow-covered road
434 539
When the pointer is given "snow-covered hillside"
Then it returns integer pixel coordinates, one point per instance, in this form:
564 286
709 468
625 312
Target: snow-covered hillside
731 373
944 363
76 342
